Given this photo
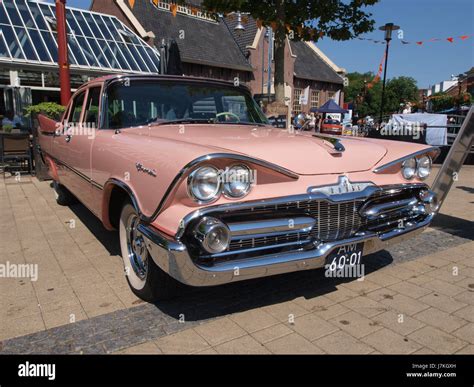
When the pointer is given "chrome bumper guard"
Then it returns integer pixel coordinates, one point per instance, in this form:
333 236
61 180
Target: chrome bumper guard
172 256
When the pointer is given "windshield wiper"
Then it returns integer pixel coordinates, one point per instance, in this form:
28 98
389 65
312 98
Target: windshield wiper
160 122
243 123
180 121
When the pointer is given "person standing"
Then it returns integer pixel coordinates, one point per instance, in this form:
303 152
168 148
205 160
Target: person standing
312 122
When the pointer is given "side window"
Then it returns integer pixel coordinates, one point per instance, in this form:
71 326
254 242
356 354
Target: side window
76 109
91 117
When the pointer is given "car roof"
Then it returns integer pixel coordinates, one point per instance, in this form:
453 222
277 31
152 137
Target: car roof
151 77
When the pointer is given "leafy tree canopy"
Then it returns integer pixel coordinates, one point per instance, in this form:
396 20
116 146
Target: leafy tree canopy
398 91
442 101
309 19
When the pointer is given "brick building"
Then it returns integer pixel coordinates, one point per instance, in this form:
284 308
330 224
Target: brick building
212 48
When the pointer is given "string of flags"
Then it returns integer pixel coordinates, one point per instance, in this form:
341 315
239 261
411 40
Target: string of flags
450 39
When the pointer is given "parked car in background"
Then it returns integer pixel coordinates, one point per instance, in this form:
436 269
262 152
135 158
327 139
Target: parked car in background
331 126
203 191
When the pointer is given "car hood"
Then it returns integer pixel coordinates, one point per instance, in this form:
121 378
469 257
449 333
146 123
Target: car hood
302 153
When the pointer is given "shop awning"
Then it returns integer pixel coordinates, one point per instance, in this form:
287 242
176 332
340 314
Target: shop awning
329 107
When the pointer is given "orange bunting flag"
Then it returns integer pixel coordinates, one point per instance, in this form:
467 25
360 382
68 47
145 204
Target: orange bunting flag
174 9
378 75
259 23
154 2
274 25
132 3
450 39
245 19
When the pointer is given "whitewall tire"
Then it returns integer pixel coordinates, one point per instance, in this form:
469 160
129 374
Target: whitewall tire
146 280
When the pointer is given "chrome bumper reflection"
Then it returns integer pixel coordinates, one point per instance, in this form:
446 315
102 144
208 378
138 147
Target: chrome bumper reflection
172 256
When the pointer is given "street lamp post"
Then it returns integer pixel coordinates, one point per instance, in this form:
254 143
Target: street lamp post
270 57
265 37
63 60
388 28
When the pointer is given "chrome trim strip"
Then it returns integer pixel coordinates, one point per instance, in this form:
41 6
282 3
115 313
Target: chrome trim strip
434 153
75 171
372 212
172 257
260 248
271 227
130 193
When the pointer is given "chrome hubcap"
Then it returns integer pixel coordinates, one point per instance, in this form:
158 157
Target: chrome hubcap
137 251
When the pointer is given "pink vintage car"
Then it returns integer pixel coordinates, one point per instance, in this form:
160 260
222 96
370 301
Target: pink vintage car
204 192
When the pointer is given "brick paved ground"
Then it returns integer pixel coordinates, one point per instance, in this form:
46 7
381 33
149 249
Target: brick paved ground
415 298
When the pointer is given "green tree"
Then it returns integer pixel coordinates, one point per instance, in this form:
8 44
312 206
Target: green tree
399 91
302 19
368 99
442 101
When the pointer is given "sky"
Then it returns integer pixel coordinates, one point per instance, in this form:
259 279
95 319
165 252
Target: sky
419 20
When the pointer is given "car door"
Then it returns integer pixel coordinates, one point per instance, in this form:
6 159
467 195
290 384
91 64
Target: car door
76 142
62 144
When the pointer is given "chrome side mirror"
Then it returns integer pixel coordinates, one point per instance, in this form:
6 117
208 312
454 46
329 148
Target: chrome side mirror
301 121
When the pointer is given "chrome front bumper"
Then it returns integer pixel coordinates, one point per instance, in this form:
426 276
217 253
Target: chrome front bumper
172 256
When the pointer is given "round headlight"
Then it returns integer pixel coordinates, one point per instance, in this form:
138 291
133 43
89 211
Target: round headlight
204 184
237 181
424 167
213 235
409 168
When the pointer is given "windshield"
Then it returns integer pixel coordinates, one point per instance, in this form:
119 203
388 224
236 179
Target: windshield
165 102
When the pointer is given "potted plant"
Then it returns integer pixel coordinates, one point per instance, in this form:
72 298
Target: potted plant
52 110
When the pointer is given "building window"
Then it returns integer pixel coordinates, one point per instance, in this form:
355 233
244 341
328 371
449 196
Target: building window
296 100
314 98
332 95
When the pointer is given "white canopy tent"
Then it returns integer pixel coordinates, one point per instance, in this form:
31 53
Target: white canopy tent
436 125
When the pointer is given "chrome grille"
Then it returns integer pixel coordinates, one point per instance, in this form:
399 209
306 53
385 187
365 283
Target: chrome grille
334 221
269 241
